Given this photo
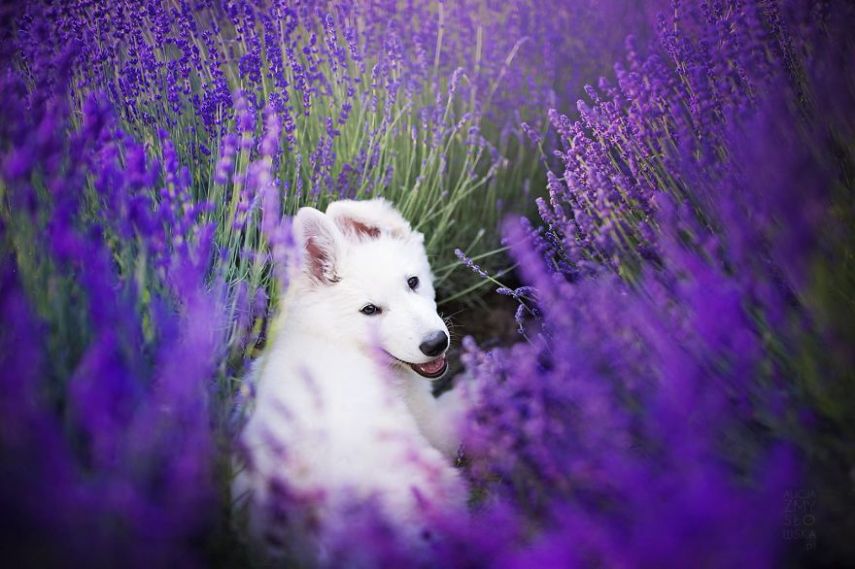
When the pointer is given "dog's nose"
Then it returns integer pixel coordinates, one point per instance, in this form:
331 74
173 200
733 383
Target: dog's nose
434 344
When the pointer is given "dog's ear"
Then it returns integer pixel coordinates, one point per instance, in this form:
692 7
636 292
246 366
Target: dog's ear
319 241
369 219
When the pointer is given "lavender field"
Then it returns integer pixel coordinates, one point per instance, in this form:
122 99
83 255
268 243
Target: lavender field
656 200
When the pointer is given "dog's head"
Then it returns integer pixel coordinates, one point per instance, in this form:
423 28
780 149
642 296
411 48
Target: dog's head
367 266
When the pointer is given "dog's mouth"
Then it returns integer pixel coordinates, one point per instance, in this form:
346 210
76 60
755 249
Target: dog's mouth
432 369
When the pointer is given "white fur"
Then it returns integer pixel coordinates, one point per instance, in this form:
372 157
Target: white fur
337 411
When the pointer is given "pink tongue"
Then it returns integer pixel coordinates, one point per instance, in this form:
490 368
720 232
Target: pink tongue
432 367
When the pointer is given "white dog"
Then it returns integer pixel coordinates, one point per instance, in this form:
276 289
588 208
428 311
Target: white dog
343 411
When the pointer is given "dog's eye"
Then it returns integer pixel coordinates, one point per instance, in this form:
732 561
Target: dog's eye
413 282
370 310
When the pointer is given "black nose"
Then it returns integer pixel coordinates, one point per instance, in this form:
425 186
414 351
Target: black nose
434 344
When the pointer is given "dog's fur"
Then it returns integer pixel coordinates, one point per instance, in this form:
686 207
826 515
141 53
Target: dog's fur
339 415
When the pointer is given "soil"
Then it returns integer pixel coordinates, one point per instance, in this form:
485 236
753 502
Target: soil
490 322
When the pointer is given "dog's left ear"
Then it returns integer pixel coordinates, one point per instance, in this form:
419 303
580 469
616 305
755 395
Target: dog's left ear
369 219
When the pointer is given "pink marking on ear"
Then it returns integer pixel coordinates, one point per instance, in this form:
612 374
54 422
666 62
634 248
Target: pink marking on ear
318 259
361 229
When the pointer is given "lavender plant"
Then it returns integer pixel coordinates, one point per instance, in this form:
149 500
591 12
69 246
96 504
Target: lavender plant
674 356
420 103
685 307
110 338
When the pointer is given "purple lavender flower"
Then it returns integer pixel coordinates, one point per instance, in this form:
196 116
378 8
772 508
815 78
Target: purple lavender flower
108 442
470 264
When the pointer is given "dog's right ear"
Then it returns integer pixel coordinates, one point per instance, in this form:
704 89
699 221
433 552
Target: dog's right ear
369 219
319 241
